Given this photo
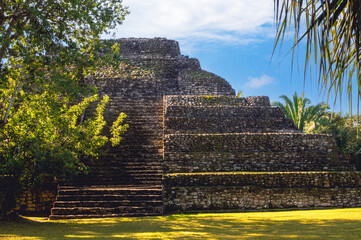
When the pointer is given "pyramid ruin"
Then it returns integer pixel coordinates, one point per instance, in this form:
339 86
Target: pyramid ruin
192 145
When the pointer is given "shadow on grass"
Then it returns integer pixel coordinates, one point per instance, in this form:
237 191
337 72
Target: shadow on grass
281 225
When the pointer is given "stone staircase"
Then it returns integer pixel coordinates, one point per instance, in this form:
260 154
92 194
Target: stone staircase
107 201
127 179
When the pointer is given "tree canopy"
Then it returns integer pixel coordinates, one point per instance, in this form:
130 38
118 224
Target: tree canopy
331 29
47 48
44 26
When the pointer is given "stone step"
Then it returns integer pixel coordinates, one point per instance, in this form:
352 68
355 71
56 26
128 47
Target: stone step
106 210
145 128
125 187
140 115
116 180
140 141
121 155
136 138
83 216
140 105
124 167
123 161
128 168
139 118
147 114
137 161
139 136
131 113
108 203
127 179
135 173
146 151
105 175
110 180
135 151
139 169
109 190
131 147
150 158
123 105
109 197
120 164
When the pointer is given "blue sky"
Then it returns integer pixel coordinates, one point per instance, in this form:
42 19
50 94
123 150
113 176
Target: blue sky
232 38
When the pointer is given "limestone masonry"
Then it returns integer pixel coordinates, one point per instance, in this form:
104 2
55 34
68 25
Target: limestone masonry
192 145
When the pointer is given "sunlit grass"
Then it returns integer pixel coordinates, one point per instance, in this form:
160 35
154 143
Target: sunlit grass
311 224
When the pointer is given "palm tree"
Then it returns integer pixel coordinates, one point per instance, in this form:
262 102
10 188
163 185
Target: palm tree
239 93
301 112
333 37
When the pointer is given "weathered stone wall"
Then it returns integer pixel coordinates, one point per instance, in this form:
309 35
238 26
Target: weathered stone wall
215 101
37 201
225 191
202 83
223 114
251 152
147 47
250 142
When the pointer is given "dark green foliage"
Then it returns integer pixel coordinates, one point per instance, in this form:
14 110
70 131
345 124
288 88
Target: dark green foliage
9 189
47 48
344 129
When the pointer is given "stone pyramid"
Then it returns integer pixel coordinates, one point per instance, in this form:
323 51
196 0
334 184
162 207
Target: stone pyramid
193 146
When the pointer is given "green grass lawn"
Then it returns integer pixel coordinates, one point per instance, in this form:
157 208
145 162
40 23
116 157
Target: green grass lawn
311 224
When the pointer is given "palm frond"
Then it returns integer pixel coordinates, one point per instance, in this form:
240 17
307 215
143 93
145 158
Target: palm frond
332 36
300 110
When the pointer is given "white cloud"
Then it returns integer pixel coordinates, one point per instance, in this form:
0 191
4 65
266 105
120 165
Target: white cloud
232 21
262 81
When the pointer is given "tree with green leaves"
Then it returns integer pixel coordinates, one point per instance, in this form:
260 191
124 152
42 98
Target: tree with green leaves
47 48
300 110
344 130
52 42
239 93
332 33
